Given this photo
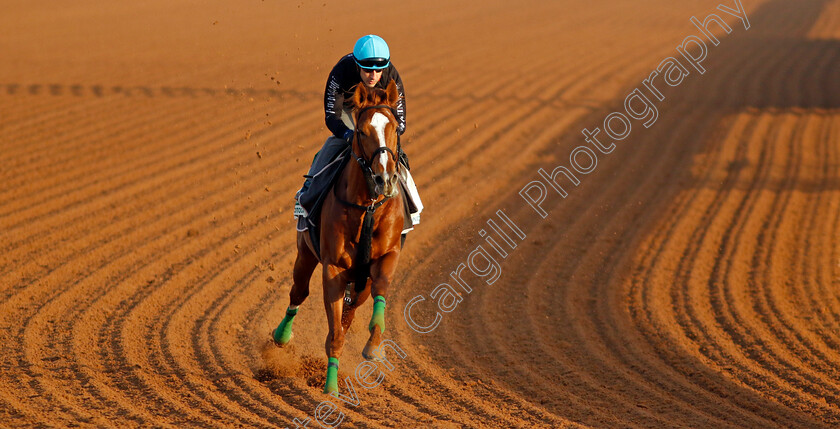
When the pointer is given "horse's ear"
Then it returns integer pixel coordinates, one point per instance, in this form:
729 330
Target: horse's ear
360 96
393 94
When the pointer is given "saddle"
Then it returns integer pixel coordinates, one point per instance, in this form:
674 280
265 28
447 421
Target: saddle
308 205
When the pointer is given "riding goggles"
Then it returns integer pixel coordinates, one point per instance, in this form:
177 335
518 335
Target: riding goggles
373 63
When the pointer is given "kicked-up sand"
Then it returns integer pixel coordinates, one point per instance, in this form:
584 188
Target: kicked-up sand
688 278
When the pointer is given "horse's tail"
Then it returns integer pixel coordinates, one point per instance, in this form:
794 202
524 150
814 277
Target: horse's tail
362 263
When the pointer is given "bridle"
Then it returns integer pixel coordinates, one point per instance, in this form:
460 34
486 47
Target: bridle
362 259
364 161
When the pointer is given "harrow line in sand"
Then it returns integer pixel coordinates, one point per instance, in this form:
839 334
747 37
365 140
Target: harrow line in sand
824 302
770 309
810 291
713 208
245 384
227 398
216 305
833 277
25 113
616 347
182 174
53 112
159 158
721 300
719 78
78 182
676 216
401 343
127 364
237 215
751 338
583 217
657 243
627 308
75 119
526 115
755 88
444 121
250 391
696 326
619 65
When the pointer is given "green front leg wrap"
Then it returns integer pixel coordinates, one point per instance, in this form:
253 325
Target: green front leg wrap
378 317
332 376
283 333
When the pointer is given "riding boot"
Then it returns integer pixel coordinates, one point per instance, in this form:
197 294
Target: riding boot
303 188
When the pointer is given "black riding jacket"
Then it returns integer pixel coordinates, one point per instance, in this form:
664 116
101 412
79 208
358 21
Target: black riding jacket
339 92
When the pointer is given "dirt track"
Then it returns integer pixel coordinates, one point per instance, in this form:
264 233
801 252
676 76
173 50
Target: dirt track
150 154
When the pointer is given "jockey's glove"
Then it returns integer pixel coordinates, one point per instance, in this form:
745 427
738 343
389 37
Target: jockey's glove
348 135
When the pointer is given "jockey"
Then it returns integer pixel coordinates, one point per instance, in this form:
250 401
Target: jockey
369 64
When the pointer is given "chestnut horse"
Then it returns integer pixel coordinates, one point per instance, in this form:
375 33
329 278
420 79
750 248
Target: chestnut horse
366 191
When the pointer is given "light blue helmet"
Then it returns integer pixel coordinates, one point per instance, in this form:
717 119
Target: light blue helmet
371 52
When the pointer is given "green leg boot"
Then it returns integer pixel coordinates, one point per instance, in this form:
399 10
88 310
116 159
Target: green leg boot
378 318
332 377
283 334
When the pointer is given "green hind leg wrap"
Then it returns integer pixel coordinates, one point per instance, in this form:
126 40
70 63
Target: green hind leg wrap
283 333
378 317
331 384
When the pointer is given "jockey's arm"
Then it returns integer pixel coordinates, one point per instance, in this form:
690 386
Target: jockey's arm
334 103
401 104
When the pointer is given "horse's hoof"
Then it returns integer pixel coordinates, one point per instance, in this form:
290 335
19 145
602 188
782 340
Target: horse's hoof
280 344
369 352
282 334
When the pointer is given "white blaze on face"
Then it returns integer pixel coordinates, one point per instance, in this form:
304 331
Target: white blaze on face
378 122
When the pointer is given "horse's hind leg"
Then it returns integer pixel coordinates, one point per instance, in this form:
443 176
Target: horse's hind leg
305 264
350 310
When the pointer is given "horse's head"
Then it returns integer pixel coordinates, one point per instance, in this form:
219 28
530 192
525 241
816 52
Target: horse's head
375 141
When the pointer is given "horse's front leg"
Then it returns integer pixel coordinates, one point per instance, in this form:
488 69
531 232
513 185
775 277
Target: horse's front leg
382 273
333 303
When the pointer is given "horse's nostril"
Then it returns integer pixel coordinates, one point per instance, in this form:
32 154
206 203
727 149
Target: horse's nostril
379 180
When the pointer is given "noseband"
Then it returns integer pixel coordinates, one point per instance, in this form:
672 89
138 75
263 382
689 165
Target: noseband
364 161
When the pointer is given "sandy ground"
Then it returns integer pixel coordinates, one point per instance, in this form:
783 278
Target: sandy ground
150 152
